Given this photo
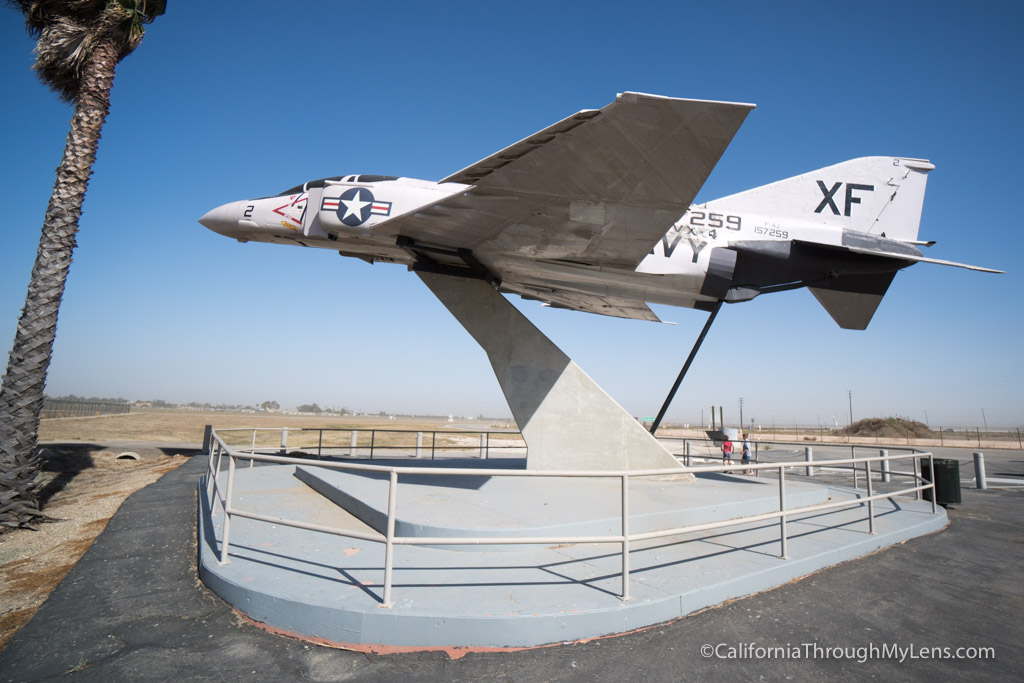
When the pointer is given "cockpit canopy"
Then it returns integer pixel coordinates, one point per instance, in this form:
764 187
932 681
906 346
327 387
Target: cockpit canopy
321 182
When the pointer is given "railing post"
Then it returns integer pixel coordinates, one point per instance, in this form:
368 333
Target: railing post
917 479
216 477
625 537
782 510
809 457
209 472
871 503
979 470
853 454
686 452
483 437
352 444
389 548
373 439
487 446
886 477
227 514
419 443
284 441
320 445
931 470
433 444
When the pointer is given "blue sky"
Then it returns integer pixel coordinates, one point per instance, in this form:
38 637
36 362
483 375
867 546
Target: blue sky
231 100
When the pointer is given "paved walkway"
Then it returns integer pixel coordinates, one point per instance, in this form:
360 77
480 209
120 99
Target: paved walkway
132 610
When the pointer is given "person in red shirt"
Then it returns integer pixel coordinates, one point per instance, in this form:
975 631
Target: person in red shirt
727 451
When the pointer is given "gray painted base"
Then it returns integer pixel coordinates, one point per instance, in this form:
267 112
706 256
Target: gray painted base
327 587
546 506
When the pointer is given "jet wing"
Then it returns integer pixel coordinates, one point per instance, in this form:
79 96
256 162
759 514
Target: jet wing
587 302
598 188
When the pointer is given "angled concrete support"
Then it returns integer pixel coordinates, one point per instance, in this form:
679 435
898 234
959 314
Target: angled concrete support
567 420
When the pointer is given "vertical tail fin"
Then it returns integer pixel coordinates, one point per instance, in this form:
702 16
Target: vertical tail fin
875 195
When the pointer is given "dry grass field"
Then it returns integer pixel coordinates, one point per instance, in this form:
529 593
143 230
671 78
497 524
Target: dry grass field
187 427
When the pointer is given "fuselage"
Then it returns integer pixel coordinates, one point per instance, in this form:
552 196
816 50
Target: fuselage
350 214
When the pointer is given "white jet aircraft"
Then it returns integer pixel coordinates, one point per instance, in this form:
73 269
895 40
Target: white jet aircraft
595 214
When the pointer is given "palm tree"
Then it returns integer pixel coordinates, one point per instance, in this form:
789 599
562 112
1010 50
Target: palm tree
79 44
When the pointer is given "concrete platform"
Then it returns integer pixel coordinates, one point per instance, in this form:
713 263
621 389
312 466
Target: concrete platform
132 608
546 506
329 588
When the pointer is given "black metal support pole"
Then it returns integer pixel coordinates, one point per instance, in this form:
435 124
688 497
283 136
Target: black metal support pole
686 366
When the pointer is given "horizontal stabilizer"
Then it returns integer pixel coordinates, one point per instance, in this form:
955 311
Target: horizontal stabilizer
869 245
925 259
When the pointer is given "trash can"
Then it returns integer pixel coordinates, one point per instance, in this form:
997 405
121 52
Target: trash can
947 480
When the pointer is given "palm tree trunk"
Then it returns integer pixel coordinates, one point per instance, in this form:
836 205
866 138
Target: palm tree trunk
21 397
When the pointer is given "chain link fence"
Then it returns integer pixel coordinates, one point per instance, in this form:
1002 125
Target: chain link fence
68 408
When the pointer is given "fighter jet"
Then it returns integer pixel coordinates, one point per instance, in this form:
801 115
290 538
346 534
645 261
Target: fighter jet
595 213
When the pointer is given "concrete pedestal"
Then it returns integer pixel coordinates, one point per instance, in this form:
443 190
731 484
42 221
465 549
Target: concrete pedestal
567 420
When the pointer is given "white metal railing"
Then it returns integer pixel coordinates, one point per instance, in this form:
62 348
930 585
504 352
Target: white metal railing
215 495
707 450
365 442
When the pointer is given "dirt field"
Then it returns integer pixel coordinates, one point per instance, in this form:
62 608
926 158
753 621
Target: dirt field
176 427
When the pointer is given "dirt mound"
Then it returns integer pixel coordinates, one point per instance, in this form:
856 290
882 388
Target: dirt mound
888 427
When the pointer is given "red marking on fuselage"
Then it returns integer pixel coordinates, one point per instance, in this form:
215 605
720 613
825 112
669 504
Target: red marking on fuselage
293 203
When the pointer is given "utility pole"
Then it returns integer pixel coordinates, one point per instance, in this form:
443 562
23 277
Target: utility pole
849 395
741 415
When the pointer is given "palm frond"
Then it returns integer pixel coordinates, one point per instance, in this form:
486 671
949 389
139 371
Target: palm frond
62 51
40 13
68 30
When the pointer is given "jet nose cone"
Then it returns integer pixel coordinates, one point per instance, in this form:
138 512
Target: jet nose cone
223 219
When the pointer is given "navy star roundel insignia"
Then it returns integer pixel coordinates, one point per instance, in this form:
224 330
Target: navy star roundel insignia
355 206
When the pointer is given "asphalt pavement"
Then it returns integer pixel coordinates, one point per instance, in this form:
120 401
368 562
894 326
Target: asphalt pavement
947 606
